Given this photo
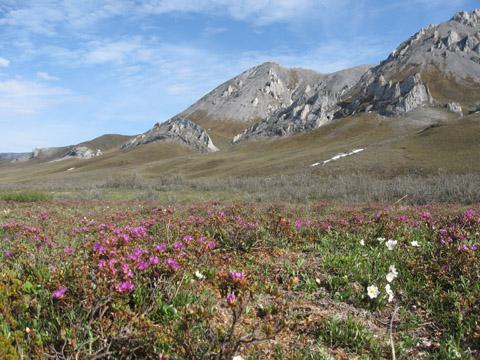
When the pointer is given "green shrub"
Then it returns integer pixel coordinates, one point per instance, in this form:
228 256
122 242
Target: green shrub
25 196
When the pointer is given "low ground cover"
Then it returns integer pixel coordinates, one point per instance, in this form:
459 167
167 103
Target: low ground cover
96 279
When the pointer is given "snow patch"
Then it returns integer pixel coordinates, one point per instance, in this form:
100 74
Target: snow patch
338 156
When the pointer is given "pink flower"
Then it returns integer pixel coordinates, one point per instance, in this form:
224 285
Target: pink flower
60 292
173 264
237 276
53 269
177 245
210 245
154 260
161 247
68 250
142 265
298 224
188 238
231 298
124 287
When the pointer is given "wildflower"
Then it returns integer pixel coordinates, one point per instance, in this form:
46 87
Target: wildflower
188 238
125 286
8 254
161 247
99 248
154 260
389 291
237 276
177 245
298 224
53 269
126 270
362 242
415 243
381 239
392 273
231 298
68 250
60 292
173 264
372 292
425 215
6 211
199 275
391 244
238 357
211 245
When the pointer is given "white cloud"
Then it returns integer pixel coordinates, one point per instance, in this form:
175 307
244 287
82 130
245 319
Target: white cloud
4 62
112 51
23 97
258 11
46 76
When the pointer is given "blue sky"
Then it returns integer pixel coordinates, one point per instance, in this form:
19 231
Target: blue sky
71 70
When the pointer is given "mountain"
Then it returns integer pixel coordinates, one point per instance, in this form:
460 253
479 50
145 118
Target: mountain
238 103
313 108
417 111
438 66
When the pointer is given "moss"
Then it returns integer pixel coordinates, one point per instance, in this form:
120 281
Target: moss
7 351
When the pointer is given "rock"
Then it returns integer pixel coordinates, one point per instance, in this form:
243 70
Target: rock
177 131
455 108
388 98
313 109
275 87
15 157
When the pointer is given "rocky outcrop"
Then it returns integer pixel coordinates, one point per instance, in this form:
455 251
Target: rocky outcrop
315 107
176 131
455 108
388 97
77 152
255 94
82 152
14 157
400 83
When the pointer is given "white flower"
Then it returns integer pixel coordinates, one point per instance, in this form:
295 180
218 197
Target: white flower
362 242
199 275
391 244
381 239
392 273
6 211
389 291
372 291
415 244
238 357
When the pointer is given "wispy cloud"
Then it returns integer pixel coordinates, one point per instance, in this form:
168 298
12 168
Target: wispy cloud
4 62
24 97
46 76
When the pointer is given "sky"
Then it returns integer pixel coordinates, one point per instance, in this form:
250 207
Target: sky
71 70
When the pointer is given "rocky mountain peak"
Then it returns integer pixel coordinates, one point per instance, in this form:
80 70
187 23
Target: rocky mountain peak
255 94
468 18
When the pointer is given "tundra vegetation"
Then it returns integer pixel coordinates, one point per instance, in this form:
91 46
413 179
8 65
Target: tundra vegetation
218 280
